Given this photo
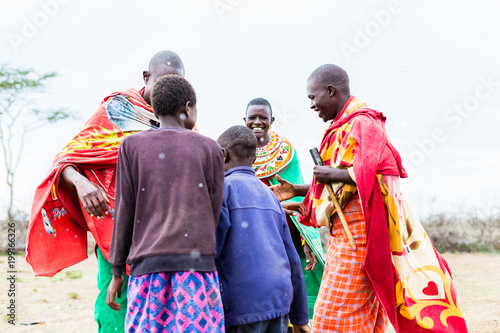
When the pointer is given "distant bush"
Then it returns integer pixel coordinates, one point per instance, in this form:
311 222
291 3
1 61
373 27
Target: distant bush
21 220
470 231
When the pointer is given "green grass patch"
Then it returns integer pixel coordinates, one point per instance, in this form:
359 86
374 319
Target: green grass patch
73 295
74 274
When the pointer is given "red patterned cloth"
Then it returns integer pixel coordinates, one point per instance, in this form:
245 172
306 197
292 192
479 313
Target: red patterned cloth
57 232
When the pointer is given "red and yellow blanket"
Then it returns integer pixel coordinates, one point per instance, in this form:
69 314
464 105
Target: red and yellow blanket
410 278
57 232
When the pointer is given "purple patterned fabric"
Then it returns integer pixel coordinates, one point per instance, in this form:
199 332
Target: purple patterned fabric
174 302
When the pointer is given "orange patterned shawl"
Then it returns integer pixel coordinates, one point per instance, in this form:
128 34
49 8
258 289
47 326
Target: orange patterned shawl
57 232
410 278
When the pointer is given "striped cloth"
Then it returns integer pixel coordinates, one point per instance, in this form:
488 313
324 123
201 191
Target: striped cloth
174 302
346 302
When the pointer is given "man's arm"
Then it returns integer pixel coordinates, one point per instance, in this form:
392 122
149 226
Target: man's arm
92 196
326 174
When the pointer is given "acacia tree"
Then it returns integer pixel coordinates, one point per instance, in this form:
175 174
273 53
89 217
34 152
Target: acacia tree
18 116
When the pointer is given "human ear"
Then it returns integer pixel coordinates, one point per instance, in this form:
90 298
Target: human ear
145 76
331 90
225 154
188 109
272 121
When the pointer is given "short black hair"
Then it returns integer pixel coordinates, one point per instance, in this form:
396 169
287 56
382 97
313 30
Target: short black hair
170 93
259 101
240 141
330 74
165 58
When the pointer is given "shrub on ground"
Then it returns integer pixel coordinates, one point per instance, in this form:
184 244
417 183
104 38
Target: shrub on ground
471 231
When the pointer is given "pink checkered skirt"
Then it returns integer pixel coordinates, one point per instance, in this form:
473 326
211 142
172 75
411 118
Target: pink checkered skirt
174 302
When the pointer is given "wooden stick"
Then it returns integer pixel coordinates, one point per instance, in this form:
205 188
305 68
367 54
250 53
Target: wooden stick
341 216
318 161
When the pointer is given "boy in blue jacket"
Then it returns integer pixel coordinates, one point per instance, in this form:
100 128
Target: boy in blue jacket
261 279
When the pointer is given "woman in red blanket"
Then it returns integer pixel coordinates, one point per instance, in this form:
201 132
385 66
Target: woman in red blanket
395 274
78 193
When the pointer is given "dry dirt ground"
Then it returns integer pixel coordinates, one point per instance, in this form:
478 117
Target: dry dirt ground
64 303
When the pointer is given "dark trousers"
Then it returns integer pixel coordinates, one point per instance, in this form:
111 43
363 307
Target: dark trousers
276 325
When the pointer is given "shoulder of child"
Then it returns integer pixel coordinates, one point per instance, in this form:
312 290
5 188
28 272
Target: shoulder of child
206 140
136 137
125 141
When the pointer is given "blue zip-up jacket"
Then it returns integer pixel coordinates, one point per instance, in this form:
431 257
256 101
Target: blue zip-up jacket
259 268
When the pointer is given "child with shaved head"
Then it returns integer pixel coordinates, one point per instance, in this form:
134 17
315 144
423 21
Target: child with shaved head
168 200
261 279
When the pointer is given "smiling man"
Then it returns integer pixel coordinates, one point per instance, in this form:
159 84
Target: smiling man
395 274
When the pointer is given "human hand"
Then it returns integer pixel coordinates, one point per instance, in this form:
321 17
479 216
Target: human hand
93 198
115 288
301 328
294 208
284 190
310 258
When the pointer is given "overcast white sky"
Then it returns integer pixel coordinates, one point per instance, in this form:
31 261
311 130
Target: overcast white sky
432 67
